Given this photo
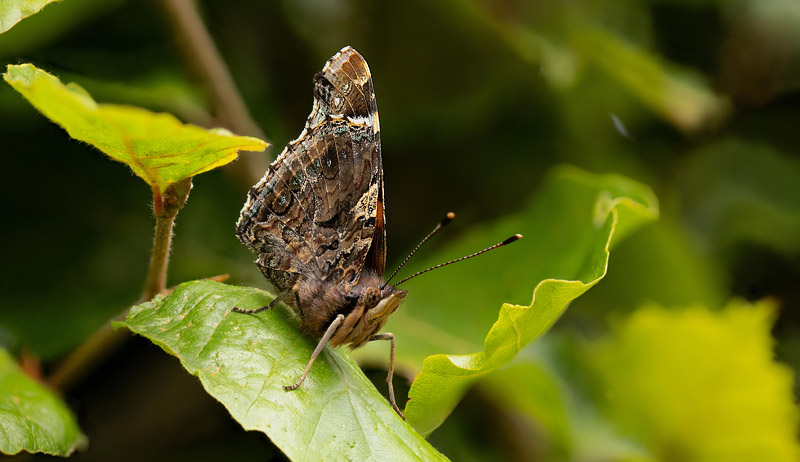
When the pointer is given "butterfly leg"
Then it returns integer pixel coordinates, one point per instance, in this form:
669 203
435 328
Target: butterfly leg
258 310
390 337
322 342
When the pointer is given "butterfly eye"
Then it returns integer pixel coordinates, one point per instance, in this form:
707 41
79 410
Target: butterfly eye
372 296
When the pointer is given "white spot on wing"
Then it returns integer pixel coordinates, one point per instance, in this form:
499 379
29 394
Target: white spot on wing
359 120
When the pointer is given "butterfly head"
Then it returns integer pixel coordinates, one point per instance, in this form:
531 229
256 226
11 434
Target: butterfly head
378 299
380 303
374 302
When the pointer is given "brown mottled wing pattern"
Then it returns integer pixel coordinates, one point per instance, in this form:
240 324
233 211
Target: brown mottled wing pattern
316 210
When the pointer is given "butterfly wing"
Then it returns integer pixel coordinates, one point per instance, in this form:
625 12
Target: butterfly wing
345 87
318 208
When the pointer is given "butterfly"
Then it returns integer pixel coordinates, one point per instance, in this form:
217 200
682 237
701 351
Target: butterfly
317 218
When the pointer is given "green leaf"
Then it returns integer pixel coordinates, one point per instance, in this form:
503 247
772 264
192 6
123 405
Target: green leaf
695 384
567 231
32 418
245 360
14 11
157 147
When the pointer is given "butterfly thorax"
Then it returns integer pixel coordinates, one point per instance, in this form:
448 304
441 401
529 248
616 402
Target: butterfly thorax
365 305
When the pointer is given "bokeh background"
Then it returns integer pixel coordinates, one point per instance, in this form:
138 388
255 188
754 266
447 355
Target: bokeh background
478 99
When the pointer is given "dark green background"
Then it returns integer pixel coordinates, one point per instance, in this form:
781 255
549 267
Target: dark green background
470 122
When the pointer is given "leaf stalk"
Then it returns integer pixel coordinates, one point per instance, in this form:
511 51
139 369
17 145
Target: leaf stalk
165 208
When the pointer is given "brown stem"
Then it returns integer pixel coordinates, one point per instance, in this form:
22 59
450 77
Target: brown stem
162 243
205 60
87 355
165 208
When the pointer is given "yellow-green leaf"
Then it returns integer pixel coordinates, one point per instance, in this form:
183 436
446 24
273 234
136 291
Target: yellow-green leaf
157 147
32 418
14 11
687 384
694 384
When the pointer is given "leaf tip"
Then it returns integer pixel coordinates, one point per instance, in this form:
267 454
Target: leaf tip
17 72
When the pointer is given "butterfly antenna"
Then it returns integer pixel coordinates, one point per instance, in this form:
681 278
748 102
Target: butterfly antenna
447 219
511 239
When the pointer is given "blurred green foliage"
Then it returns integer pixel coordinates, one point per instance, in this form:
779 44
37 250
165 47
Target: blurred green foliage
478 99
696 385
679 384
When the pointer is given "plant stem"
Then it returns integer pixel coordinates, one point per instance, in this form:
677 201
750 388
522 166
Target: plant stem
165 208
159 259
205 60
87 355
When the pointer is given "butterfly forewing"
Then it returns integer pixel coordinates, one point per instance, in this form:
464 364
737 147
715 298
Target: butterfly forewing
350 74
318 210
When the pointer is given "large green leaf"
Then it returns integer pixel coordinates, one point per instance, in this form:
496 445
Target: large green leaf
14 11
32 418
568 232
245 360
157 147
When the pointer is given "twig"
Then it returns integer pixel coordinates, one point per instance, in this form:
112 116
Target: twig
202 55
87 355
